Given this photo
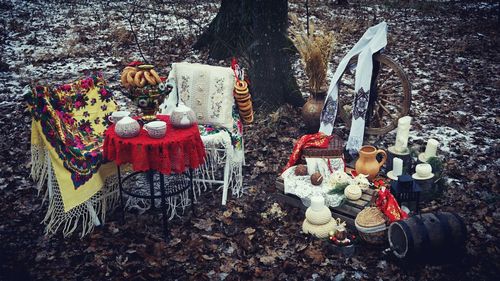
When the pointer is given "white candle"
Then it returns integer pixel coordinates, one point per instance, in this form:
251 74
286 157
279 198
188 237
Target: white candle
431 148
397 166
403 133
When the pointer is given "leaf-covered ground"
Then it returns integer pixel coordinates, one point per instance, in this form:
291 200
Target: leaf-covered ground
449 50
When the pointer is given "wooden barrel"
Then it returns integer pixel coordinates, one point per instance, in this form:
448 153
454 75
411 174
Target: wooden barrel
432 236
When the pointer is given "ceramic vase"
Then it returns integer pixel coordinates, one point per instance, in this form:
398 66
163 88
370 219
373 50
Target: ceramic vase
311 111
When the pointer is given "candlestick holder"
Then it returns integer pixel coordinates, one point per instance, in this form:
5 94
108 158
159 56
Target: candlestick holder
430 151
405 190
392 152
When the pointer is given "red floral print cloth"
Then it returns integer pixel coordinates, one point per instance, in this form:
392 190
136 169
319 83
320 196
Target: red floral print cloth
319 140
389 206
178 150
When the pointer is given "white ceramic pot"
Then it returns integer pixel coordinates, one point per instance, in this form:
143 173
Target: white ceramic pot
127 127
423 170
117 116
182 117
156 129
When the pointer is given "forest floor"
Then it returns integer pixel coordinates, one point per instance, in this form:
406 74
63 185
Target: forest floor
449 50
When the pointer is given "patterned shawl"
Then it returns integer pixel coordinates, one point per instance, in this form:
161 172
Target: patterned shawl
69 121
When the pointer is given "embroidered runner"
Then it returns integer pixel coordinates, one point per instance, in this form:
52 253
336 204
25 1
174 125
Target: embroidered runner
374 39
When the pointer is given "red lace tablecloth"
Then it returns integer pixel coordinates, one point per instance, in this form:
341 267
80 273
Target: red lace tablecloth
177 150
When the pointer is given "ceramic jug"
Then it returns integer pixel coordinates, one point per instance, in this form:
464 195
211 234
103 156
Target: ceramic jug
182 117
367 163
127 127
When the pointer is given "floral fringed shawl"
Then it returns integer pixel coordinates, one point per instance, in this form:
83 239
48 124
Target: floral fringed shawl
69 122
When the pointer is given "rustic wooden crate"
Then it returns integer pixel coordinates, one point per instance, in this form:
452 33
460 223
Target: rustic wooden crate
346 212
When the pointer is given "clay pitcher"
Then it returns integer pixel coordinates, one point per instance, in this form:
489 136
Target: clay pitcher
367 163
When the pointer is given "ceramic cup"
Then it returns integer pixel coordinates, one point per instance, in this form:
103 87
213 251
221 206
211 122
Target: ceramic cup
117 116
423 170
156 129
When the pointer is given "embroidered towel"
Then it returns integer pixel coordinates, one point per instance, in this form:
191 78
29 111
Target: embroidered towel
374 39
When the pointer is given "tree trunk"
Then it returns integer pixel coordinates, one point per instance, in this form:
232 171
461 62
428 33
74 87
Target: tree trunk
256 31
227 33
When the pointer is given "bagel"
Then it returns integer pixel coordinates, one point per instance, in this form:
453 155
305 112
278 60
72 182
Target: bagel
142 82
245 106
137 77
246 113
149 78
123 79
155 75
241 85
130 77
239 97
241 92
248 119
128 68
242 99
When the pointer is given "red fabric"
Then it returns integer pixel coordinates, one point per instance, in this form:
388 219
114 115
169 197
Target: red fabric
177 150
389 206
319 140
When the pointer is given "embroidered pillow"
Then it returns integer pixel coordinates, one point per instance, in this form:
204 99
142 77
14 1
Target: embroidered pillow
206 89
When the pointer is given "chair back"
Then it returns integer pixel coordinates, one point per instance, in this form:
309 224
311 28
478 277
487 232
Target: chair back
206 89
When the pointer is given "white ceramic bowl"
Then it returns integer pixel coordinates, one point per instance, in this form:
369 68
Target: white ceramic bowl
156 129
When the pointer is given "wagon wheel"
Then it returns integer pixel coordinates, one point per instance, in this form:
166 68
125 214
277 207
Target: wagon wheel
392 92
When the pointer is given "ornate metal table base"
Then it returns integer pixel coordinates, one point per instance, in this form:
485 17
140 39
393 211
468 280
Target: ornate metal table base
175 184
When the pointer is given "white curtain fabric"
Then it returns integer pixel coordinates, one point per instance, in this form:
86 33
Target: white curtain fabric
373 40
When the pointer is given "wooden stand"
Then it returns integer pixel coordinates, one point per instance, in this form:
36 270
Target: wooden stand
428 188
405 156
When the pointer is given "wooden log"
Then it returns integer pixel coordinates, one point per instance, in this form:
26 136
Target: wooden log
428 237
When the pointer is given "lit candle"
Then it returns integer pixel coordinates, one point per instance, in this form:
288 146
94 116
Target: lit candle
397 166
403 133
431 148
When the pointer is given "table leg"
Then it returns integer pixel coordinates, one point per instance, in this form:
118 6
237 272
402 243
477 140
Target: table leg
164 206
150 176
191 197
417 206
120 187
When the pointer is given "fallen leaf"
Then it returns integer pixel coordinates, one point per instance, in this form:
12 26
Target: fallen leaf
267 260
206 257
249 230
315 254
204 224
216 236
227 213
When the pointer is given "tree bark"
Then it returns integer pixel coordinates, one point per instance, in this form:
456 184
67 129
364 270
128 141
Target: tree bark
256 31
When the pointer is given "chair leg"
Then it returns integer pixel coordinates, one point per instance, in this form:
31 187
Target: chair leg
226 182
